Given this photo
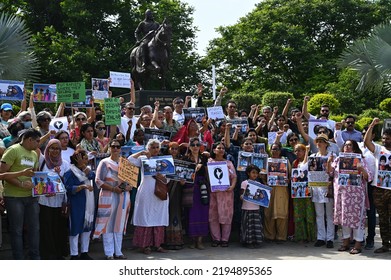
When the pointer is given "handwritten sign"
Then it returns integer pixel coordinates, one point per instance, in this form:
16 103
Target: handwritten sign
215 113
128 172
112 111
71 92
120 79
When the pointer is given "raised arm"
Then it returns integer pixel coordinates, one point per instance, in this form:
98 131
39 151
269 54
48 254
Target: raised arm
304 109
368 135
299 119
219 98
155 118
286 108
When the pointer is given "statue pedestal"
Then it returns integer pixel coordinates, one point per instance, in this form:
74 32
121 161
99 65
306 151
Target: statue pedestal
165 97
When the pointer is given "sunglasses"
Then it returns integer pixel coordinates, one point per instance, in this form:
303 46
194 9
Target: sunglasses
115 146
179 102
195 145
293 139
80 119
275 149
324 111
350 122
46 119
131 109
101 128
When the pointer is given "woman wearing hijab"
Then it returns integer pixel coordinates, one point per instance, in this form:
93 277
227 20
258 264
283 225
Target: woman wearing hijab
52 224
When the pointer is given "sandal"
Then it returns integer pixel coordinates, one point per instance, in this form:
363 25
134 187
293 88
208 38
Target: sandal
355 251
343 248
121 257
147 250
224 243
215 243
161 250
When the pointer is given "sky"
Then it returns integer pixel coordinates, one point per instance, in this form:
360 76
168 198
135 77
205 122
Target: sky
210 14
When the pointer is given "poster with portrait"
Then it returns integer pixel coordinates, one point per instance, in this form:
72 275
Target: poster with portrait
44 93
384 171
272 135
218 176
159 164
158 134
299 182
348 173
11 90
239 122
317 175
313 125
84 104
247 158
46 183
100 89
183 170
197 114
277 174
257 193
259 148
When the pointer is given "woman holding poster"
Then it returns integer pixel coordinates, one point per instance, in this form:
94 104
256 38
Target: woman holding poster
221 202
150 214
350 202
276 215
113 205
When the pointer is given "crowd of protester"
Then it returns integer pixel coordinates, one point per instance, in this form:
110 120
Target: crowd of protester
99 205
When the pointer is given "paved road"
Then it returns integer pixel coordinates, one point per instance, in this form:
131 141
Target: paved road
269 251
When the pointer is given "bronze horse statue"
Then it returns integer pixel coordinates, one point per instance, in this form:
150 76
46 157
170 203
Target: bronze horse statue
156 57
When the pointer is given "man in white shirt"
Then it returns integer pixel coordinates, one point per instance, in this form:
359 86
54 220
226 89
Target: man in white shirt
128 121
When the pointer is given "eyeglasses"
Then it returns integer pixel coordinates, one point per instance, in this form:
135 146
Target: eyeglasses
324 110
320 132
80 119
195 145
275 149
115 146
293 139
350 122
179 102
131 109
101 128
349 144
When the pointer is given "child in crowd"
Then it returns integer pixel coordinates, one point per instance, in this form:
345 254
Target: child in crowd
251 230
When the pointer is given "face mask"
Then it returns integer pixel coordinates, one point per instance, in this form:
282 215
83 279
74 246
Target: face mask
27 125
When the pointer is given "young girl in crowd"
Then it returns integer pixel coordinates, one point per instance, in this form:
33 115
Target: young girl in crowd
251 230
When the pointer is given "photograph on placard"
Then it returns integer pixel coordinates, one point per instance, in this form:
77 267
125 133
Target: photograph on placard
317 177
384 171
46 183
11 90
100 89
257 193
348 169
159 164
197 114
183 170
44 93
299 182
277 174
82 104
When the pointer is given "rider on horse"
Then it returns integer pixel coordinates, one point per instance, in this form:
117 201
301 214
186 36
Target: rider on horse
144 33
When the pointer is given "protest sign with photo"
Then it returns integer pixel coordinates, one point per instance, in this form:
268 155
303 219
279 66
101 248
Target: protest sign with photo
44 93
47 183
183 170
384 171
158 164
272 135
152 133
257 193
218 176
259 148
299 182
239 122
277 174
247 158
100 89
313 126
11 90
348 172
196 114
317 175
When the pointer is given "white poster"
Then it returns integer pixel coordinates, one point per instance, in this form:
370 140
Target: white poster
58 124
218 176
120 79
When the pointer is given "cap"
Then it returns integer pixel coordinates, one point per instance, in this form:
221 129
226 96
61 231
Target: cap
6 107
323 137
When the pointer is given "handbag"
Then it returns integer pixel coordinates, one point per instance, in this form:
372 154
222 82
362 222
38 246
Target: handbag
161 189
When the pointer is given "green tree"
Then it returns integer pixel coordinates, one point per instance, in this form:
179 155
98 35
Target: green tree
320 99
77 40
370 57
291 45
17 61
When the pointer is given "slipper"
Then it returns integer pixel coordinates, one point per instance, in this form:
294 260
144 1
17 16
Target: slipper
343 248
355 251
161 250
147 251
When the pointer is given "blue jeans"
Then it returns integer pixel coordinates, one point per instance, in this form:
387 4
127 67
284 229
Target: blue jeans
22 210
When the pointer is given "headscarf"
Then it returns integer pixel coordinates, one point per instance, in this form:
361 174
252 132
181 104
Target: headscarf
52 162
182 136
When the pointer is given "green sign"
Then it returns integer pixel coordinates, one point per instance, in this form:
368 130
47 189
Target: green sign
112 111
71 92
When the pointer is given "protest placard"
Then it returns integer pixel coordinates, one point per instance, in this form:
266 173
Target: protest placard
277 174
46 183
196 114
11 90
317 175
120 79
71 92
299 182
58 124
83 104
128 172
218 176
215 113
112 111
183 170
257 193
100 89
158 164
44 93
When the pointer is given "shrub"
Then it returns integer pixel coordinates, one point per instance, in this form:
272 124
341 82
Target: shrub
319 99
277 98
385 105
